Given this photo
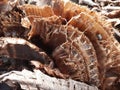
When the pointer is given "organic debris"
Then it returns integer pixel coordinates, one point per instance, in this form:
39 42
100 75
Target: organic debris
64 40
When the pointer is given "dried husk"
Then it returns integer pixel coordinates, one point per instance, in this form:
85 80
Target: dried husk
69 9
55 37
33 11
107 48
77 54
53 20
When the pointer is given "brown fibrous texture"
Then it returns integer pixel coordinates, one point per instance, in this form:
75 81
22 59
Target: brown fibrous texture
33 11
72 51
107 48
84 48
52 20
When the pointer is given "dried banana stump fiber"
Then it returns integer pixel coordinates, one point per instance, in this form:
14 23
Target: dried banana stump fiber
79 42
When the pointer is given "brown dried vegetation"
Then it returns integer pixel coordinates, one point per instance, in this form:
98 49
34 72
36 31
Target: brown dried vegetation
70 49
106 47
81 45
33 11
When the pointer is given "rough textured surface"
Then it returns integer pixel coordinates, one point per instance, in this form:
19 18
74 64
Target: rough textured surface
72 51
33 11
43 82
17 48
10 23
107 48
